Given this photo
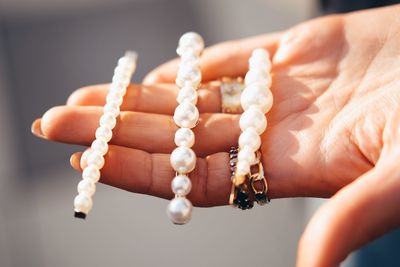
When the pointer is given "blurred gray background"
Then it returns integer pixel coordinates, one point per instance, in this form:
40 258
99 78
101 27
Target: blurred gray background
49 48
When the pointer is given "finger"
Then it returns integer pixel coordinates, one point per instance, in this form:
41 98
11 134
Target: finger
160 99
140 172
224 59
153 133
359 213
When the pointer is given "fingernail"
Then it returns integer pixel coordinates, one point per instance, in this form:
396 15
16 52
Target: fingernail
36 129
74 160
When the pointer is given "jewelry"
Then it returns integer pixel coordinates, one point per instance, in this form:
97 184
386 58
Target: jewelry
240 196
186 116
231 89
260 195
256 100
95 155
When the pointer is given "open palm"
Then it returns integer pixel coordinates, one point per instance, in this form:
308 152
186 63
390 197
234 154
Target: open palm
334 126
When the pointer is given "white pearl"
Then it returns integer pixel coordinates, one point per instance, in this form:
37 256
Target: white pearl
247 153
121 77
100 145
242 168
112 108
108 120
118 88
92 173
120 83
179 210
253 118
86 187
258 95
84 157
126 62
114 96
260 53
189 59
123 70
258 77
250 138
104 133
259 64
96 159
188 74
190 40
184 137
83 203
187 93
181 185
186 115
131 55
183 159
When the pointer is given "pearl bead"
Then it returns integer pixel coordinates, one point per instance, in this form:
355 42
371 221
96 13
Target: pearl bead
108 120
183 159
120 77
188 74
190 40
96 159
123 70
186 115
84 157
242 168
100 145
189 59
104 133
114 96
119 88
261 53
247 153
257 77
253 118
250 138
258 95
260 64
112 109
126 62
86 187
187 93
120 83
83 203
184 137
180 210
92 173
181 185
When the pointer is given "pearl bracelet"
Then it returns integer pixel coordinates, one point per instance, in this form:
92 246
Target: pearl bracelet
186 116
256 100
95 155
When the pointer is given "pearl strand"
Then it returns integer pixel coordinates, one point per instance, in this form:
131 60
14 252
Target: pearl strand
186 116
95 155
256 100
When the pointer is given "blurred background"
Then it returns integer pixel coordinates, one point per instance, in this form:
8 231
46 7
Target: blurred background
49 48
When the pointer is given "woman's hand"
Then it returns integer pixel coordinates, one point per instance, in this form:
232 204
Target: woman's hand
334 129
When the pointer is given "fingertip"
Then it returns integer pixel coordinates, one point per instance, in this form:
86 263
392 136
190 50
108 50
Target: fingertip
151 78
36 128
75 161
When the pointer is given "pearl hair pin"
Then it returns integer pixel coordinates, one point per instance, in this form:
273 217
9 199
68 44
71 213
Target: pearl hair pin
186 116
95 155
256 100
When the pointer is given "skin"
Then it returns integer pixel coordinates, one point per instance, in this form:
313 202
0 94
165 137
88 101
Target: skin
334 129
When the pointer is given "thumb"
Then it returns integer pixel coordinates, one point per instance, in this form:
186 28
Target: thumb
223 59
360 212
